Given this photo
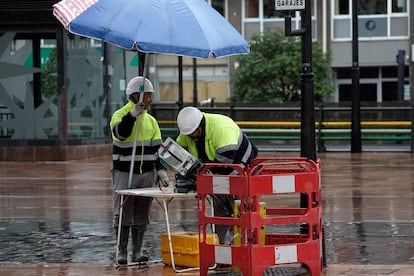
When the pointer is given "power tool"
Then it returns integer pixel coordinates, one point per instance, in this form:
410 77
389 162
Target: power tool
180 161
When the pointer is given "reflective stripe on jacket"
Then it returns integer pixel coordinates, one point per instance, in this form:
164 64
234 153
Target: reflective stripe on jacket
224 141
123 127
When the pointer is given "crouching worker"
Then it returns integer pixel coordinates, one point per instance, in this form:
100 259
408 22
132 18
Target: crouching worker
215 138
135 216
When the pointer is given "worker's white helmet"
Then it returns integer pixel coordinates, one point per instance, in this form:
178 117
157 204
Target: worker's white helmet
189 119
137 85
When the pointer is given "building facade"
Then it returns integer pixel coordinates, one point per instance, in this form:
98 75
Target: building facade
59 90
384 35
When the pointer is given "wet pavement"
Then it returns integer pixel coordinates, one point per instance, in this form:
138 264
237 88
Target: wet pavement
55 217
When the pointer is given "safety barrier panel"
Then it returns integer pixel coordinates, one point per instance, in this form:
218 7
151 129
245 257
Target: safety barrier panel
261 241
208 186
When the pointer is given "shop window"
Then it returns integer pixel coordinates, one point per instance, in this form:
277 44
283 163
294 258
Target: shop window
389 91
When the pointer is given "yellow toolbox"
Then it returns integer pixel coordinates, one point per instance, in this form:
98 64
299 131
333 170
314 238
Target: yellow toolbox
185 248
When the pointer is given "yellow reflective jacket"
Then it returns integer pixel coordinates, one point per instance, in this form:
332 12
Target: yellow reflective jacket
123 127
224 142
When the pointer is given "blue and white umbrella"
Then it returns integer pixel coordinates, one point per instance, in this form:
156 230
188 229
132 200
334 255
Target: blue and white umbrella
180 27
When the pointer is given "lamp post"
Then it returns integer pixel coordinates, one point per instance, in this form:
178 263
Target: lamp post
355 97
307 138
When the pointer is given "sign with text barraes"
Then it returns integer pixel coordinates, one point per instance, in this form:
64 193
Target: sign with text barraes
289 5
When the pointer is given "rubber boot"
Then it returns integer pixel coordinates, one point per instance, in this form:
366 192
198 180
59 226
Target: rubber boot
123 246
137 233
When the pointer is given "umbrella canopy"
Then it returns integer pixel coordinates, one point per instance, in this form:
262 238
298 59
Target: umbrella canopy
180 27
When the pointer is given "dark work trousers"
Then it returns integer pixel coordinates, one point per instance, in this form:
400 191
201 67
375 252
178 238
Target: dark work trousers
223 207
136 208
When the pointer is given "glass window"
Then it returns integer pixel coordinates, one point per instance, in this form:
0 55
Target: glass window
374 20
118 82
268 11
28 107
372 7
369 72
341 7
389 72
389 91
85 93
250 29
373 85
368 92
218 5
275 25
344 92
399 26
399 6
343 73
342 28
252 8
372 27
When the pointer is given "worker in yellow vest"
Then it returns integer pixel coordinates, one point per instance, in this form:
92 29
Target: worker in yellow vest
215 138
123 125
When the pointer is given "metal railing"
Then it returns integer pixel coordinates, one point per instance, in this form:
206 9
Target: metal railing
325 132
274 124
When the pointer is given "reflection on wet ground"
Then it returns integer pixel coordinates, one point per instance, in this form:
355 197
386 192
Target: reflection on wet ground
61 212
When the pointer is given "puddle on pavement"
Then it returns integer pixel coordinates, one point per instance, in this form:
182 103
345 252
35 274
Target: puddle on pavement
93 242
77 242
369 242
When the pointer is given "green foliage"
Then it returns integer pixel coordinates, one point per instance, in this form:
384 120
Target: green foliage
271 72
49 76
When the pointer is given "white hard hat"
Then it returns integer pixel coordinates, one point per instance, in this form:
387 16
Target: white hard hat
189 119
136 85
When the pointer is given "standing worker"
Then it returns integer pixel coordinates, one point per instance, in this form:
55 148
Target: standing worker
215 138
123 125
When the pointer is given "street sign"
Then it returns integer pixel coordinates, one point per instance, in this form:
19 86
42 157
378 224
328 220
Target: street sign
289 5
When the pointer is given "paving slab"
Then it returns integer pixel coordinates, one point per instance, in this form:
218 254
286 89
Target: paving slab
55 217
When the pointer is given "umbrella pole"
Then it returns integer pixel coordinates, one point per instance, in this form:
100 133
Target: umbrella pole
141 96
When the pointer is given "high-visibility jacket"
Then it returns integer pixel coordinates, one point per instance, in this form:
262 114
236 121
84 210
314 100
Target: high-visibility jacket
149 139
224 141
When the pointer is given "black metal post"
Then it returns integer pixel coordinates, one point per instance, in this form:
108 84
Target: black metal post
356 96
141 63
37 80
180 102
401 74
320 142
195 93
307 133
308 143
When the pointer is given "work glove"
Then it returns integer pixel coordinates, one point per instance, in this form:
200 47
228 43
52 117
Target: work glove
137 110
163 177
